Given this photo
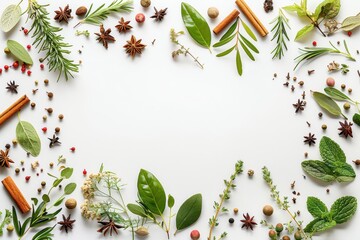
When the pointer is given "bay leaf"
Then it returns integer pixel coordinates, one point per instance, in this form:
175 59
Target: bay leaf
336 94
189 212
28 138
19 51
10 17
350 23
327 103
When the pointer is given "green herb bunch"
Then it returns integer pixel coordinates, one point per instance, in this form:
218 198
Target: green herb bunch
48 39
224 196
279 31
7 220
41 211
240 41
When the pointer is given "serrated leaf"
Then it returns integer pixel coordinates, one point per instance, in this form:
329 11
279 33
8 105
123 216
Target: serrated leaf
331 152
230 31
28 138
336 94
136 209
343 209
318 169
302 32
327 104
19 51
70 188
226 52
189 212
171 201
248 31
344 172
309 227
323 225
350 23
10 17
224 41
316 207
238 63
356 119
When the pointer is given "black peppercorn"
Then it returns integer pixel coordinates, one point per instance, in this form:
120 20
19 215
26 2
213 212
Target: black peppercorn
231 220
7 146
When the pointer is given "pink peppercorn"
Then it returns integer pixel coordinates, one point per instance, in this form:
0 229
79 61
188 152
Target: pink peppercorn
44 129
0 70
195 235
28 47
349 33
330 81
140 18
84 172
27 178
6 67
314 43
29 73
41 66
15 64
23 70
26 31
72 149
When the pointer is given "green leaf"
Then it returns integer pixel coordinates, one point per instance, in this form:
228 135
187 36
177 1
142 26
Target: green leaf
10 17
302 32
247 51
344 172
59 201
316 207
189 212
231 30
327 103
350 23
19 51
310 226
356 119
15 221
151 192
171 201
44 234
196 25
28 138
249 44
248 30
224 41
336 94
323 225
57 182
343 209
46 198
301 12
67 173
226 52
327 9
331 152
136 209
238 63
70 188
318 169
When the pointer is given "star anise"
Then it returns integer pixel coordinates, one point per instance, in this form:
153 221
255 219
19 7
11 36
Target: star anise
66 223
63 14
109 226
159 15
310 139
345 129
104 36
134 46
5 159
54 141
123 25
248 222
299 106
12 87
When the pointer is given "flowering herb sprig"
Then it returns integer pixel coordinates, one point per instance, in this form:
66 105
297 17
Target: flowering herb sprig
224 196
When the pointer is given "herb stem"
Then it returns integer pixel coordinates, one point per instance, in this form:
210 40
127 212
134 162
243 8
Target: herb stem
316 24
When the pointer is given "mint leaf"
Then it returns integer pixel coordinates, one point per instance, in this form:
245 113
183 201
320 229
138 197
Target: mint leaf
330 151
344 172
343 209
323 225
309 228
316 207
318 169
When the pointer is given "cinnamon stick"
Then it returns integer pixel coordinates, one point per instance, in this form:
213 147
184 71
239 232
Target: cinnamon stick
16 195
224 23
14 108
250 15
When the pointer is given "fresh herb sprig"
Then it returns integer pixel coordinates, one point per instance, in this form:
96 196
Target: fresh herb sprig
7 220
309 53
280 34
224 196
48 39
101 13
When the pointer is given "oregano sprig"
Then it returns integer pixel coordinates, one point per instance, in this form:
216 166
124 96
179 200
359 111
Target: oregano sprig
280 34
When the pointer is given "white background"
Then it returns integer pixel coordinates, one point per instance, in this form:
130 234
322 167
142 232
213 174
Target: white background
186 125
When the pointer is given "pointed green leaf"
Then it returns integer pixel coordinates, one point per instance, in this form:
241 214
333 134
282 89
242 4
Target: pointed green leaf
28 138
248 30
323 225
356 119
301 12
327 103
318 169
189 212
330 151
350 23
310 226
70 188
343 209
238 63
344 172
136 209
225 52
316 207
336 94
302 32
231 30
224 41
171 201
67 173
59 201
19 51
249 44
247 51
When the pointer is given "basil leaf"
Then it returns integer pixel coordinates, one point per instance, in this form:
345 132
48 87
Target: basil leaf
151 192
248 30
238 63
316 207
28 138
330 151
189 212
231 30
136 209
344 172
302 32
323 225
318 169
67 173
70 188
336 94
196 25
327 103
10 17
356 119
171 201
19 51
224 41
350 23
343 209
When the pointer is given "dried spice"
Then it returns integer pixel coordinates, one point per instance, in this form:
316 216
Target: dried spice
104 36
345 129
12 87
123 25
159 15
5 159
134 46
66 223
109 226
248 222
310 139
54 141
268 5
299 106
63 14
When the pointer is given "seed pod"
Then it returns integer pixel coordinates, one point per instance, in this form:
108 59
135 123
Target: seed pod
81 11
142 231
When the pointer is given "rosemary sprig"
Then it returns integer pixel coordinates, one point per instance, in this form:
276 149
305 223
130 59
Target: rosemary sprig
314 52
101 13
47 39
279 30
218 206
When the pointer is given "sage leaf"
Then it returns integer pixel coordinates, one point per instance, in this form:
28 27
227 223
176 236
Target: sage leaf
45 198
67 173
151 192
350 23
356 119
327 103
10 17
28 138
70 188
323 225
336 94
331 152
318 169
226 52
302 32
248 31
196 25
189 212
136 209
344 172
230 31
316 207
19 51
171 201
238 63
343 209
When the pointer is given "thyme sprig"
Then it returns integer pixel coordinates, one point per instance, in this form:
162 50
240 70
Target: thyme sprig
101 13
280 34
48 39
224 196
314 52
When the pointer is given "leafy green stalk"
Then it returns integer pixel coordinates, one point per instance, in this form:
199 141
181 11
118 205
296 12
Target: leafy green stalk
279 31
101 13
224 196
49 40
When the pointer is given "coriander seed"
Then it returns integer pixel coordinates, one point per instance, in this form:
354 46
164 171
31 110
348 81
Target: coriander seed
213 12
57 129
46 81
50 95
145 3
236 210
346 106
349 90
70 203
14 141
39 190
17 170
61 116
301 83
250 173
343 86
51 164
324 127
44 118
268 210
43 183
